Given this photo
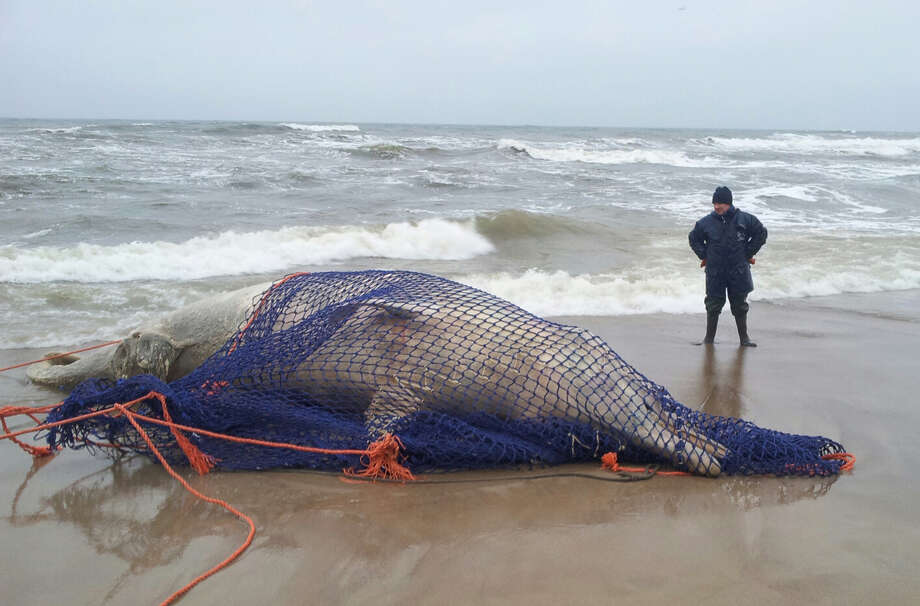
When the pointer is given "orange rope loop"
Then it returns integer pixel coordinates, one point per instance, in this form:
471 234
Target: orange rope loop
30 411
35 451
849 460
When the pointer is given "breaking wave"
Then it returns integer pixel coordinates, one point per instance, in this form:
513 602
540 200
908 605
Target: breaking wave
807 144
663 289
321 128
509 224
606 156
232 253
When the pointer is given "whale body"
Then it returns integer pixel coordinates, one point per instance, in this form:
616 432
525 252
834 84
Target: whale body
395 343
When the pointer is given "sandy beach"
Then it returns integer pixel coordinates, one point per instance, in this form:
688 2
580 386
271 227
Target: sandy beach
79 529
410 176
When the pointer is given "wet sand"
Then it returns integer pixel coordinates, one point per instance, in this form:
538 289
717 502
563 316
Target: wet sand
82 530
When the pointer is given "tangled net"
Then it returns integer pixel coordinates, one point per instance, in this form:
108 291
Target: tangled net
465 380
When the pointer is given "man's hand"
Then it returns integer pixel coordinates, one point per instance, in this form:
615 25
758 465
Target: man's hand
752 260
703 263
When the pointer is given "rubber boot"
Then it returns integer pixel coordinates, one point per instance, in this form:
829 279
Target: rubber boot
741 321
712 322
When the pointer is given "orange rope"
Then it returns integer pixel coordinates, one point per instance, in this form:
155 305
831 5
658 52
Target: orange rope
848 459
239 550
258 309
380 454
12 411
89 415
381 459
201 462
609 461
62 355
35 451
30 411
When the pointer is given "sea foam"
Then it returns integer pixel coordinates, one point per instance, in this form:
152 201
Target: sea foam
54 131
321 128
99 313
664 289
559 293
235 253
606 156
812 143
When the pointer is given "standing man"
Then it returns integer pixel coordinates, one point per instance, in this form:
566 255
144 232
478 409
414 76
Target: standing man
726 241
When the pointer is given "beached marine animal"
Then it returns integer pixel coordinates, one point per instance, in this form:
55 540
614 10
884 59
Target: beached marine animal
459 354
168 349
392 344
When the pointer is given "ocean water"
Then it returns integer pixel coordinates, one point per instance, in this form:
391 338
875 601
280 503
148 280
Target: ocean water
105 224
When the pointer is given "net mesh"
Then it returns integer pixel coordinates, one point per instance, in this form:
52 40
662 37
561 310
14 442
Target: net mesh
465 379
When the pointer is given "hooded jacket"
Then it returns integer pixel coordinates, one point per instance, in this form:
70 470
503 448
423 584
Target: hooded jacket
726 243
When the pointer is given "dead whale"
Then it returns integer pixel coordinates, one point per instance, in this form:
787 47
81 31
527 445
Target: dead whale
395 343
475 360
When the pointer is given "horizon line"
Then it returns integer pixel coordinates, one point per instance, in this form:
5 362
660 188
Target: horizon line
464 124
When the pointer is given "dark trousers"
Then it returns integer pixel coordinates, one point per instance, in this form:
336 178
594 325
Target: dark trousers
738 303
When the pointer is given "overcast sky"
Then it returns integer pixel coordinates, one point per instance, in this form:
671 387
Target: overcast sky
766 64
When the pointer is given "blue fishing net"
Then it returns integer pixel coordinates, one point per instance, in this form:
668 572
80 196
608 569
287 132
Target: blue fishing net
465 379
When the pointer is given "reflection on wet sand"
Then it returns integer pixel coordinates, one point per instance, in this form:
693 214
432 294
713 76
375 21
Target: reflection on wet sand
342 539
135 511
664 541
122 510
723 387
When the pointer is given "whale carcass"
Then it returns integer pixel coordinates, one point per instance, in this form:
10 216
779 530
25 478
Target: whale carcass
391 344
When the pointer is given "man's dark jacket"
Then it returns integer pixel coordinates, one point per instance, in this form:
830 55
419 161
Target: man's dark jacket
726 243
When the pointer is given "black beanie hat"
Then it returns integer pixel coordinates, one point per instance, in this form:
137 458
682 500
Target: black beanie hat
722 195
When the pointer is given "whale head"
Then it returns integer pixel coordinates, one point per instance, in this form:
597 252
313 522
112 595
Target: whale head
144 353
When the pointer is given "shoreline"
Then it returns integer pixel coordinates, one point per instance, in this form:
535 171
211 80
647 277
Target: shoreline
841 368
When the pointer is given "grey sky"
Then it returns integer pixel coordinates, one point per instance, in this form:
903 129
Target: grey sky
801 65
